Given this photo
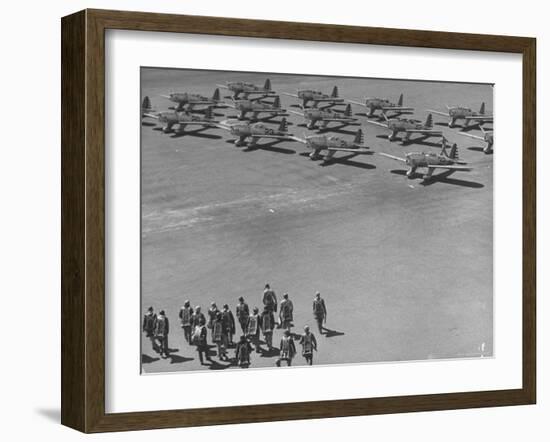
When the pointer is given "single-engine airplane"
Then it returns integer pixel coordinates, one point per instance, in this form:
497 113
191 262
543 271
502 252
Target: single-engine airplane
409 127
242 87
254 131
326 116
465 113
384 105
332 144
257 107
307 95
431 161
488 137
171 118
187 101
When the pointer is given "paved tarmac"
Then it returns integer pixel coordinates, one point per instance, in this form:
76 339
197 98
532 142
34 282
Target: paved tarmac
405 268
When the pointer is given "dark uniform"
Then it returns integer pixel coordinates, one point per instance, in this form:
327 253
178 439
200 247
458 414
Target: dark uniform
199 339
309 344
228 323
287 349
286 313
162 328
242 352
149 319
185 315
253 329
242 312
267 322
212 313
319 311
219 337
269 299
197 318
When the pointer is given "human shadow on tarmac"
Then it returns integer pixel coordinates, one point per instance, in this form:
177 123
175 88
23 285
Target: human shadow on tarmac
267 353
177 359
146 359
332 333
441 178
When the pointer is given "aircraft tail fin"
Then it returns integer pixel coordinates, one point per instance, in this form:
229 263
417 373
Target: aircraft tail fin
146 104
452 153
359 137
267 85
429 121
277 102
283 126
216 95
482 109
334 92
347 112
400 102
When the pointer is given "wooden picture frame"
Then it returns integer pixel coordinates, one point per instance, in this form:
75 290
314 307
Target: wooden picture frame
83 219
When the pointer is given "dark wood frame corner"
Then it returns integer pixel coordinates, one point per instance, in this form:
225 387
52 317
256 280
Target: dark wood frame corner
83 217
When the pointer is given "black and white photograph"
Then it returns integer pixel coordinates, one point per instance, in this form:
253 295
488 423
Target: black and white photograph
295 220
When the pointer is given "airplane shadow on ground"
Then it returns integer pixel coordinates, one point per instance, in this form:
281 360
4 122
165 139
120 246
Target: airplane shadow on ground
346 161
197 133
423 141
332 333
270 147
148 124
344 129
441 178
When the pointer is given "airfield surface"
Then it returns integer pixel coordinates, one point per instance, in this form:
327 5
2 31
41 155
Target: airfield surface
405 268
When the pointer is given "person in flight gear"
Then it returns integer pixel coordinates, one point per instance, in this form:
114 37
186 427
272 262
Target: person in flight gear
149 319
309 344
199 339
242 352
287 349
269 298
286 312
267 322
319 311
197 317
212 313
242 311
185 315
219 337
228 323
253 329
162 328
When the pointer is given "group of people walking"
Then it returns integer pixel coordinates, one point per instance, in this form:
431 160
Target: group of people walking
222 324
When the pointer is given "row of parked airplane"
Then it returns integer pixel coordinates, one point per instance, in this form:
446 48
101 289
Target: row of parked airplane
197 110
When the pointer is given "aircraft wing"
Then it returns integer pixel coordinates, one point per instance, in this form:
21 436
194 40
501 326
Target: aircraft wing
477 137
340 120
359 150
424 131
224 86
479 118
289 94
165 96
403 160
433 111
397 108
333 100
298 139
378 123
150 115
450 167
276 137
231 105
296 112
358 103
